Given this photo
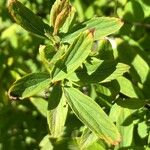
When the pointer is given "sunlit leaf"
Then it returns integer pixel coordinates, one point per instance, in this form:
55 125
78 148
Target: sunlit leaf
143 129
128 88
29 85
74 57
121 115
40 104
57 112
46 144
92 115
103 26
87 138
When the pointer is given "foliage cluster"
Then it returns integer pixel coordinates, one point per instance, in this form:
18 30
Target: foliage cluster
78 72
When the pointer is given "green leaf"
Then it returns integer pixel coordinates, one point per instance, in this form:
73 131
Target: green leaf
121 116
41 105
133 54
101 71
103 26
46 144
136 57
91 114
57 112
143 129
96 146
86 139
74 57
29 85
49 56
131 103
129 89
132 14
46 54
27 19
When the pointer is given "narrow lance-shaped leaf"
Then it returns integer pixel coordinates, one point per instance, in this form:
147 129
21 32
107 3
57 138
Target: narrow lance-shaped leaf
92 115
27 19
57 112
74 57
103 26
29 85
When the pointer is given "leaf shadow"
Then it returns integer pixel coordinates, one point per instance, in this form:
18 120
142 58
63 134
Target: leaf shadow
102 72
54 97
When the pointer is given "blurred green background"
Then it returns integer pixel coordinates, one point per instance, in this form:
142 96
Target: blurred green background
22 126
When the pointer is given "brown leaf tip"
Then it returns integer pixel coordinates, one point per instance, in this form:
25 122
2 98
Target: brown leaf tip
12 97
10 2
91 31
116 142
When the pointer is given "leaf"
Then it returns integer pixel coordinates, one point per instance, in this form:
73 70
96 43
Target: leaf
55 10
86 139
136 56
126 131
131 103
96 146
91 114
29 85
60 11
69 20
120 115
57 112
129 89
74 57
132 14
45 143
27 19
101 71
40 104
50 55
142 129
133 54
103 26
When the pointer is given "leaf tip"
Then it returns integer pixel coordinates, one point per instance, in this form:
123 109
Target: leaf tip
116 142
12 96
91 32
121 22
10 2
